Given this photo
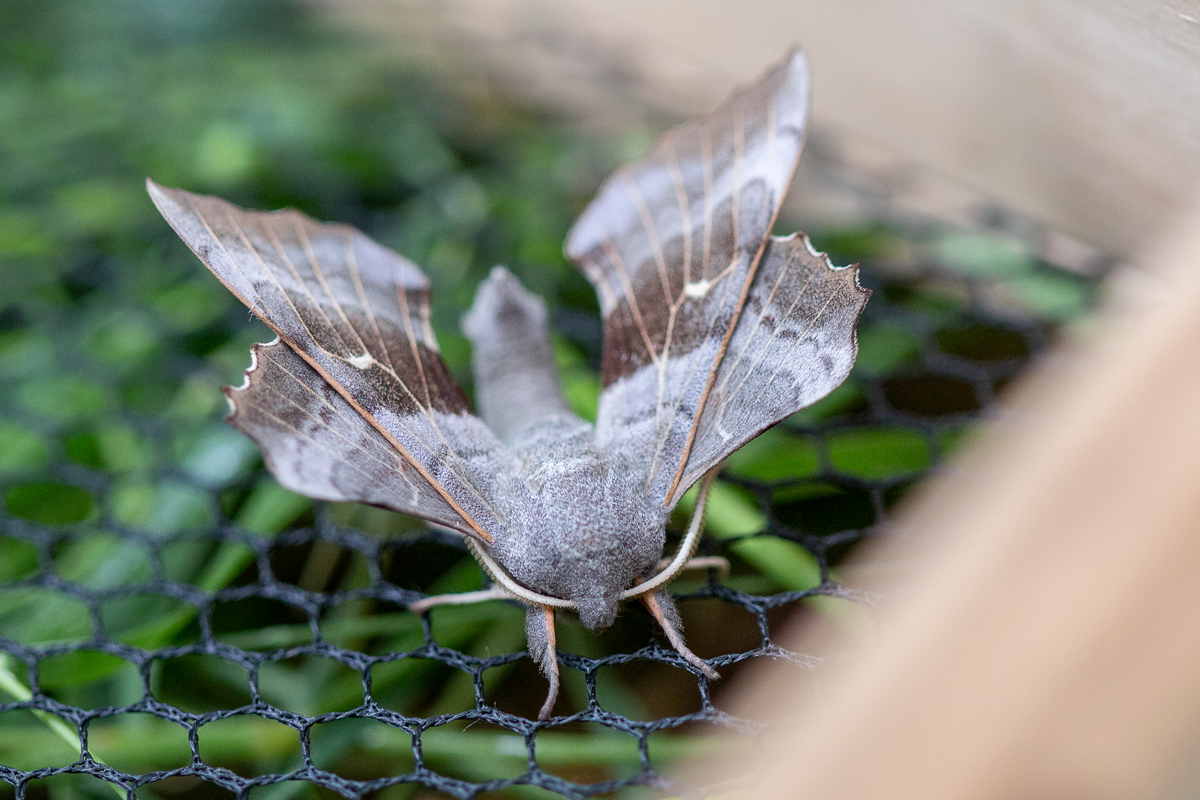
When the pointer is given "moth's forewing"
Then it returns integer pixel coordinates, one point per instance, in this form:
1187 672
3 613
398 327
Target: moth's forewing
794 343
671 245
317 444
358 315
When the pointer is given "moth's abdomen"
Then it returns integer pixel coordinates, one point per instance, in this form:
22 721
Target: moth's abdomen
516 383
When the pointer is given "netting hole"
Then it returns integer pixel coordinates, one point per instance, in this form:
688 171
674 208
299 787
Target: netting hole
884 347
184 561
823 507
247 745
310 685
89 679
647 690
260 623
474 750
423 565
373 627
69 786
18 559
31 743
422 687
362 749
135 743
31 615
518 688
981 342
51 503
148 620
192 787
879 452
312 566
226 684
715 627
931 395
481 629
101 560
590 753
25 450
165 506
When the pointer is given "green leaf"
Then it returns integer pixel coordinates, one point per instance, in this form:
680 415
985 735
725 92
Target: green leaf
788 563
884 347
983 254
51 503
21 450
775 455
875 453
270 508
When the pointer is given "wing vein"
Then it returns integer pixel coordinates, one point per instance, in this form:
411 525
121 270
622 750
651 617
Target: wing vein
651 229
618 263
352 267
685 211
315 263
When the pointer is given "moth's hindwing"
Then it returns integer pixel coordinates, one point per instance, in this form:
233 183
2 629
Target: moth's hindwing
317 444
794 343
357 315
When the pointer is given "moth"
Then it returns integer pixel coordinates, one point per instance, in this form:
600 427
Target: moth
714 330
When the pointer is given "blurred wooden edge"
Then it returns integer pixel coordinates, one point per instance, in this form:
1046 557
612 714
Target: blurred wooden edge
1082 115
1046 641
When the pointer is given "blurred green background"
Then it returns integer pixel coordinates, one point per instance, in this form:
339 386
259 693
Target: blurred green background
117 469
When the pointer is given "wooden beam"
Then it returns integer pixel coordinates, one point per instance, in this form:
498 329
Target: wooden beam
1084 115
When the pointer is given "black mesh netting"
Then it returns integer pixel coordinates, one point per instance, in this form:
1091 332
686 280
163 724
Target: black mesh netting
172 622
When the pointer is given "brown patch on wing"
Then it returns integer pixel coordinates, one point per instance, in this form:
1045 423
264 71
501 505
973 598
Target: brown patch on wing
672 244
316 443
794 343
358 314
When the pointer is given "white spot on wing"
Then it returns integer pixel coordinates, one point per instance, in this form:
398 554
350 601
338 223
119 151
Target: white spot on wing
361 362
697 288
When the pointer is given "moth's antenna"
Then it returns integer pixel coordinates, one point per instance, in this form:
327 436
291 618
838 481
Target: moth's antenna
686 548
506 581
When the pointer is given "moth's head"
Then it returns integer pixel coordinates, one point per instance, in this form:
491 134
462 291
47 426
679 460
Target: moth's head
597 610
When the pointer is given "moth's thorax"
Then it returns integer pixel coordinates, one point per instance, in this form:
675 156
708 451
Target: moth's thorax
588 530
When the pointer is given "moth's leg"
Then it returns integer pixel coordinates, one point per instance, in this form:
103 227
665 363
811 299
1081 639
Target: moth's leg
719 563
539 633
516 383
458 599
662 607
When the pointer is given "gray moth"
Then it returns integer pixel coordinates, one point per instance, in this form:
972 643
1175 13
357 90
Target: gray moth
714 330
